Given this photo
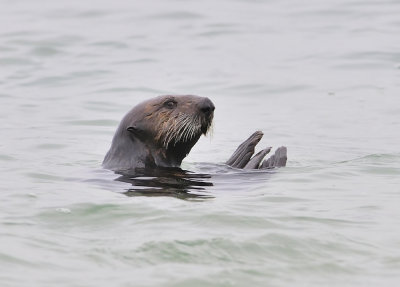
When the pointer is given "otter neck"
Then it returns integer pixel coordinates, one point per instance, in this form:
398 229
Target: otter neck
173 155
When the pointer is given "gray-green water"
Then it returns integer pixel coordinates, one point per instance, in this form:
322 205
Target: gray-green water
321 77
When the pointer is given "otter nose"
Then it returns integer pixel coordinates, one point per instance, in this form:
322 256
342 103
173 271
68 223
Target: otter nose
207 107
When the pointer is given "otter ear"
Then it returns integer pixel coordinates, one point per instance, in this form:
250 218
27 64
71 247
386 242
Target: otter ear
135 130
132 129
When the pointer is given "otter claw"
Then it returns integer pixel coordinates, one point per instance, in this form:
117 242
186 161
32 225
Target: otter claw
242 157
254 163
277 160
243 153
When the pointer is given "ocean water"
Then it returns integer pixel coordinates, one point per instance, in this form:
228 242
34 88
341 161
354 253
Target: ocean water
320 77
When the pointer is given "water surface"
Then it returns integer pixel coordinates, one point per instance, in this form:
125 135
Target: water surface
321 78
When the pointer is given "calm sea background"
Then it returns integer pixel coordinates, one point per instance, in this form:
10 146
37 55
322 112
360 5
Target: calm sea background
320 77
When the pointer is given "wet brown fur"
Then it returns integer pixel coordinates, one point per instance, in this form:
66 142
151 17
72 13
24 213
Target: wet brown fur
159 132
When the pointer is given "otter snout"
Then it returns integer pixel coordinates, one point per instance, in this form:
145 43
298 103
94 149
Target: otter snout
207 107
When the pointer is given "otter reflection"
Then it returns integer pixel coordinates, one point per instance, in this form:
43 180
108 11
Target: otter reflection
173 182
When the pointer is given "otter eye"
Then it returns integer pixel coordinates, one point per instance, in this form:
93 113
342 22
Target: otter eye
170 104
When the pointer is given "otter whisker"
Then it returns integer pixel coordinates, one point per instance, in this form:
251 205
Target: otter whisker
185 131
210 129
180 128
183 128
189 130
171 131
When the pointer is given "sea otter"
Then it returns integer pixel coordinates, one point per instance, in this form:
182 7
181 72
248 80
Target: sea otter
160 132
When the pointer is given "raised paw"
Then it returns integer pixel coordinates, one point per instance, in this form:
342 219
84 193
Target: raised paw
242 157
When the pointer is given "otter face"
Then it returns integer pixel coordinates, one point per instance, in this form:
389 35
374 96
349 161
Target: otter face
182 119
172 124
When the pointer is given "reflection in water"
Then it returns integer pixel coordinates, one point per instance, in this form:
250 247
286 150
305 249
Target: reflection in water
173 182
202 184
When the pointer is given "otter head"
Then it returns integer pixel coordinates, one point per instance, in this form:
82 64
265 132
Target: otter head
161 131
